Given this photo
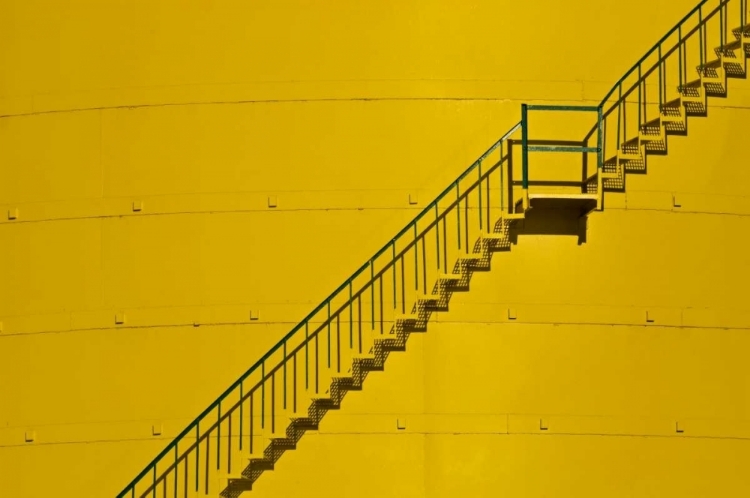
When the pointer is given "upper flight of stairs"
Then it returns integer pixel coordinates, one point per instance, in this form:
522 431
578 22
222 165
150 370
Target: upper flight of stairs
288 392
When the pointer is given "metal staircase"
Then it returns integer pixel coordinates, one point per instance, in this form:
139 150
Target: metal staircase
288 391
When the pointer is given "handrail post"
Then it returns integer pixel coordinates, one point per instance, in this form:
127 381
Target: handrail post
640 99
701 27
599 137
479 190
525 146
599 158
679 45
660 83
619 114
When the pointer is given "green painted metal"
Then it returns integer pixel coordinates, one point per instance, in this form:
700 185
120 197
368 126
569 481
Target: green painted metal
525 145
260 365
574 108
148 478
656 47
558 148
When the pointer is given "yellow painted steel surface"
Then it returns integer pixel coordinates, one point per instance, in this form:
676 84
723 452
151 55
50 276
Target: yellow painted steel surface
181 182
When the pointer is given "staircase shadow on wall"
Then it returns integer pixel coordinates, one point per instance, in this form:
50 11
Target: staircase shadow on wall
557 222
543 222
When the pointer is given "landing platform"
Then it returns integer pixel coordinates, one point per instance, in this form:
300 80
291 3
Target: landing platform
580 203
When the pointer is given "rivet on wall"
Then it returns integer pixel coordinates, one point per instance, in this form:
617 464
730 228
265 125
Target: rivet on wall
13 214
511 314
400 424
30 436
119 318
137 206
273 201
543 425
413 198
254 314
157 429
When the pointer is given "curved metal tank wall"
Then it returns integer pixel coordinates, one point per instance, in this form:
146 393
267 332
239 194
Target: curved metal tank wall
172 169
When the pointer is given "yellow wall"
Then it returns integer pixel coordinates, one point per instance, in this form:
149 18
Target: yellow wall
201 113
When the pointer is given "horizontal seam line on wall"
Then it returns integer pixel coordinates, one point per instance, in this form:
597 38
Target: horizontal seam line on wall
413 433
278 210
292 101
456 322
322 100
183 213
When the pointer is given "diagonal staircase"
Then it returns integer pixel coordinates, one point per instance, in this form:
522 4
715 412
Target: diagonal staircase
287 392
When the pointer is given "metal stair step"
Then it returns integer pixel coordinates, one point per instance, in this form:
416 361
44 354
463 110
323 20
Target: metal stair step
493 236
472 257
429 298
451 276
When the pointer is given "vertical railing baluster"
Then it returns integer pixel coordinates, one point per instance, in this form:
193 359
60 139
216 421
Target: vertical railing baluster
307 356
466 219
338 342
242 418
458 214
317 364
229 442
599 141
328 328
273 402
153 486
679 55
218 437
263 394
619 115
208 459
721 25
437 235
660 82
445 242
393 256
424 264
372 293
701 28
359 321
351 316
176 462
525 148
252 419
197 456
284 375
403 284
479 189
380 285
487 183
416 260
640 84
502 185
624 118
294 385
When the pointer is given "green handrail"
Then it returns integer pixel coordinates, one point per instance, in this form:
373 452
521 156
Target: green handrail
412 225
655 48
281 343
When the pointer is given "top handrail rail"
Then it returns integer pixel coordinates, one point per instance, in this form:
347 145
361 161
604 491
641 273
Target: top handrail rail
655 48
171 446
